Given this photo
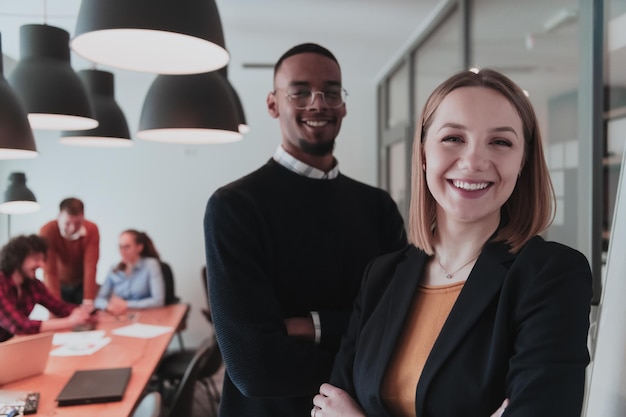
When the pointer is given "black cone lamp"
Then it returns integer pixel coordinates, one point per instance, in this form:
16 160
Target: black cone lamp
17 197
243 125
112 130
52 93
190 109
156 36
16 136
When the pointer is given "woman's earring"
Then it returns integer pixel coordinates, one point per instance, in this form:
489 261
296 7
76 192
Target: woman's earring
423 167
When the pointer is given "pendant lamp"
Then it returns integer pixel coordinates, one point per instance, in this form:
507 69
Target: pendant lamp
16 136
190 109
243 126
112 130
156 36
52 93
17 197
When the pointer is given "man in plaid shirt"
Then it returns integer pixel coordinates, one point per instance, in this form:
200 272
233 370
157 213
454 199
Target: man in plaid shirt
20 290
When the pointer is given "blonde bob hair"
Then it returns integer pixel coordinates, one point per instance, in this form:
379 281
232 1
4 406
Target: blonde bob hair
530 208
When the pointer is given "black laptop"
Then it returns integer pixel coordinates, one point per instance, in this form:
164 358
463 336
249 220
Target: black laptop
91 386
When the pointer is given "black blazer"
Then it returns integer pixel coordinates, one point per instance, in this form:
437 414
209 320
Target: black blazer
518 330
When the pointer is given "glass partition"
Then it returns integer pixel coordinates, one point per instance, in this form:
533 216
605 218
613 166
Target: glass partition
437 58
538 49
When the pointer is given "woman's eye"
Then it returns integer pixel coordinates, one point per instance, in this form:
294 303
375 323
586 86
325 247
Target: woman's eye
452 139
502 142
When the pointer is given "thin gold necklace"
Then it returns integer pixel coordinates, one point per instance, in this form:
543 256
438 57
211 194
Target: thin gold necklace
450 275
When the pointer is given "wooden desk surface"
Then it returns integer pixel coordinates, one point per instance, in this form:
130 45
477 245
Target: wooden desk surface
143 355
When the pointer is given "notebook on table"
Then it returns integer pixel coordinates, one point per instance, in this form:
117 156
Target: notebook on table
91 386
24 356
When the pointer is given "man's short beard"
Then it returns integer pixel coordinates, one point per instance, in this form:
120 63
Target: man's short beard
317 149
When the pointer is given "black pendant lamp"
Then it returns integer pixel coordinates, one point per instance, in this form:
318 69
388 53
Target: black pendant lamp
17 197
52 93
190 109
16 136
243 125
112 130
156 36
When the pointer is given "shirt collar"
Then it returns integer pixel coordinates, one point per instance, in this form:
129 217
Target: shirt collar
80 233
288 161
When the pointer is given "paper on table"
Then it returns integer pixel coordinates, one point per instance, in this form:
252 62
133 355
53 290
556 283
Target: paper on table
77 337
142 331
81 348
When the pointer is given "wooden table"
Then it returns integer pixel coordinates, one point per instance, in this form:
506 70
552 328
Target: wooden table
143 355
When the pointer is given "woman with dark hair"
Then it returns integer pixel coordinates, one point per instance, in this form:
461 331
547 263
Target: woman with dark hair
479 316
137 281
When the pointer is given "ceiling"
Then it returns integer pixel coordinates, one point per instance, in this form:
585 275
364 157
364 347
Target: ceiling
258 32
366 35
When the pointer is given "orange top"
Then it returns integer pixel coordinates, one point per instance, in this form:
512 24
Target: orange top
429 311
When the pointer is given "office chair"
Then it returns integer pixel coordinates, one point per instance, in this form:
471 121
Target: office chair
173 366
206 311
181 403
172 298
150 406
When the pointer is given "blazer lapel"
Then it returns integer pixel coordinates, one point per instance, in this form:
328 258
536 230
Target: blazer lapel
401 294
481 287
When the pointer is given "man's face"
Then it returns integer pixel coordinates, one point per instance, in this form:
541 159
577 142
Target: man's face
311 130
31 264
70 224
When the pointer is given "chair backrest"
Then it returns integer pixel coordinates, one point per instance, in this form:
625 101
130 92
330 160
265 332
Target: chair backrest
206 311
150 406
182 401
168 280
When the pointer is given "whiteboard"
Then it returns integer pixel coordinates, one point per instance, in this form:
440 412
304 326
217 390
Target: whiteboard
606 396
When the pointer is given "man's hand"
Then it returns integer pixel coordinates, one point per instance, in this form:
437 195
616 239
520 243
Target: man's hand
79 316
301 327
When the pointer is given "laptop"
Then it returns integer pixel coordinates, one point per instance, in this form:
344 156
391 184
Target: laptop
24 356
91 386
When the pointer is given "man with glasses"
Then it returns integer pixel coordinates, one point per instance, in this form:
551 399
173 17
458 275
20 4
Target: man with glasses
287 246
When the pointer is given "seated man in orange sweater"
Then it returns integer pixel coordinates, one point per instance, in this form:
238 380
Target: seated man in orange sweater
20 291
73 252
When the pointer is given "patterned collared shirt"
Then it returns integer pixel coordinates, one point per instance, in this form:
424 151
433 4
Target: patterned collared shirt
292 164
14 311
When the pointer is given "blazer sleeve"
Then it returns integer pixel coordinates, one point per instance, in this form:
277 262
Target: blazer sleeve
377 276
546 374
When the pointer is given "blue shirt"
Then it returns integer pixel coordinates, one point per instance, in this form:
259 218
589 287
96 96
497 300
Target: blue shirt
143 288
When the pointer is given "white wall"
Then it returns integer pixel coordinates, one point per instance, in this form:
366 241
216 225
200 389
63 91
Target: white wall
163 188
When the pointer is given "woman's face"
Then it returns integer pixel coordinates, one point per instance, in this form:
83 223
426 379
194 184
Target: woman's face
129 250
473 153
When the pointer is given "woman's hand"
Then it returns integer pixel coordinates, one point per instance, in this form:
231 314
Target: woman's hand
335 402
500 410
117 305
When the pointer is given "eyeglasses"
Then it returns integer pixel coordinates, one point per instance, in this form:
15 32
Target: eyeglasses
301 98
